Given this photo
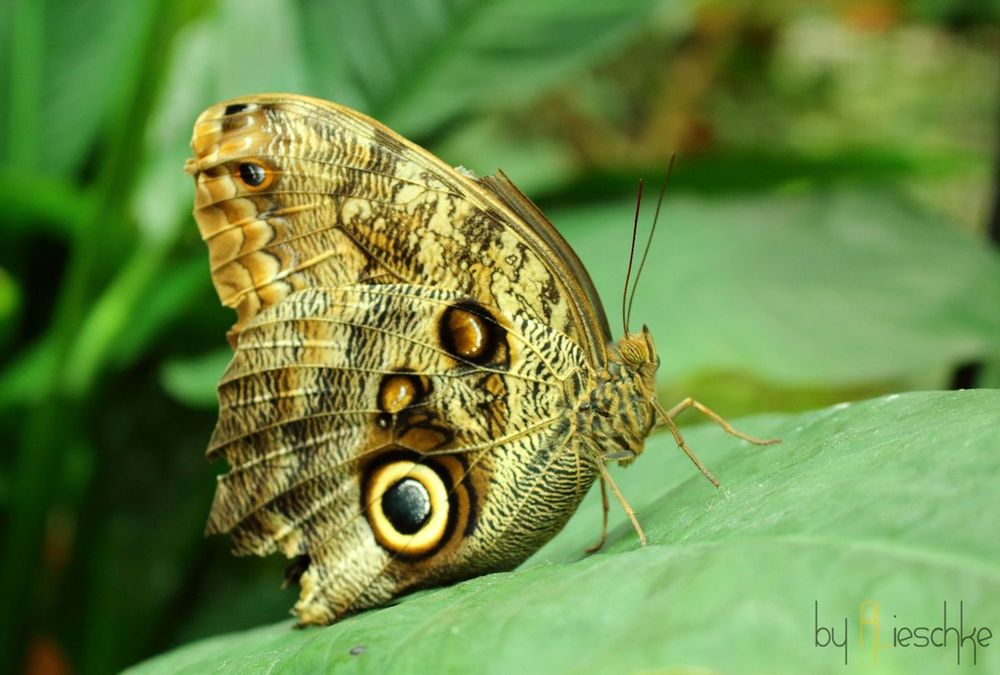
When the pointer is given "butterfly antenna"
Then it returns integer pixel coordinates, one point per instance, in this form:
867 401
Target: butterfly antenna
631 257
649 240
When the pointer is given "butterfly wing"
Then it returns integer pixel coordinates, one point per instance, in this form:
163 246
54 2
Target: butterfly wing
294 192
396 322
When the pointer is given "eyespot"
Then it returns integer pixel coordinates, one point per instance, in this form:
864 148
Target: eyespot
407 505
468 331
255 175
396 393
234 108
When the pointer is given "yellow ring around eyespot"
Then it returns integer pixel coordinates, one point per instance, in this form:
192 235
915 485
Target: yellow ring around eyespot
428 536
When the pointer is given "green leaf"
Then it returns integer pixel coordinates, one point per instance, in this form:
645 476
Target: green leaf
886 500
32 202
193 381
11 309
10 302
419 64
171 298
537 161
24 380
255 49
87 44
840 287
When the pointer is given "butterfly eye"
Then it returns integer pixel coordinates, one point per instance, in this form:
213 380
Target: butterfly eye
254 175
407 507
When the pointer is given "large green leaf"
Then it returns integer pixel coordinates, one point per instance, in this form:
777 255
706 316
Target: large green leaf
59 116
887 500
414 65
417 65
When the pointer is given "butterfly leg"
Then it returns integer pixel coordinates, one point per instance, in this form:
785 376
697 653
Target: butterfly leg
717 418
679 440
668 419
629 511
604 519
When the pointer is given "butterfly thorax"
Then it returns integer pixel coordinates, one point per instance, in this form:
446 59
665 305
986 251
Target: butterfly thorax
618 415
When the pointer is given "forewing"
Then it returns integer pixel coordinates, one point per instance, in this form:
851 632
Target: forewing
343 199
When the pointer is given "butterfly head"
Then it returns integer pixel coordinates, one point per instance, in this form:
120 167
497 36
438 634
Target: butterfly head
638 355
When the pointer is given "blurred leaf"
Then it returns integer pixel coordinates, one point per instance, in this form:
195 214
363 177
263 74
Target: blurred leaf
10 297
253 49
25 379
961 13
536 161
21 80
231 596
48 429
858 503
33 201
171 298
834 288
545 169
420 64
88 44
193 381
990 373
152 484
331 74
110 316
10 301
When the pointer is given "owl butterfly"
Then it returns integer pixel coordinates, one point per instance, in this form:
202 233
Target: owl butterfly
424 383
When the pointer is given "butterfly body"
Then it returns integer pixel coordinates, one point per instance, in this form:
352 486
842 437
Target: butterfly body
424 385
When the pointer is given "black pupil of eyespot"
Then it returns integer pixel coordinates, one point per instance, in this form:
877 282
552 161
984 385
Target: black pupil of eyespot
407 506
252 174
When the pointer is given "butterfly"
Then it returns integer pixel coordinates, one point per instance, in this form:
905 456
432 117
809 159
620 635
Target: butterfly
424 383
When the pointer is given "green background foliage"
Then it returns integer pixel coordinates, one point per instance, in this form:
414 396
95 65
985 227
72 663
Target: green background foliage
825 238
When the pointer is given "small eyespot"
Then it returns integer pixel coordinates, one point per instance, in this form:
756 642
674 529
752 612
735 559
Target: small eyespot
234 108
252 174
398 391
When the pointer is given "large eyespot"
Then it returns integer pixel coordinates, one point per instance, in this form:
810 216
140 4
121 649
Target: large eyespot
255 175
408 507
